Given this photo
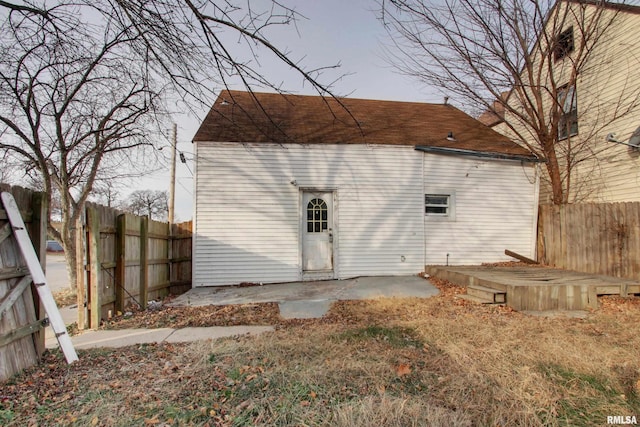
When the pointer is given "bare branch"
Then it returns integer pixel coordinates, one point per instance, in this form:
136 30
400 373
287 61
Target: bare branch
480 50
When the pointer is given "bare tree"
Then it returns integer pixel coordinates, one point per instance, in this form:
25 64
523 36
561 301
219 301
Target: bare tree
155 204
534 52
84 83
107 192
75 102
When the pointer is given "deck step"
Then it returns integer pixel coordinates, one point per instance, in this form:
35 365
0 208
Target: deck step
475 299
494 296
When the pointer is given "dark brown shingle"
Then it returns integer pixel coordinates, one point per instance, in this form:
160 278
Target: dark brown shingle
265 117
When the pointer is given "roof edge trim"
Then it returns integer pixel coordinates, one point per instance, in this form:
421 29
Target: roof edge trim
485 154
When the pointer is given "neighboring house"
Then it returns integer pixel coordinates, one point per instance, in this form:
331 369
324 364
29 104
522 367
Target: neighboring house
292 188
595 82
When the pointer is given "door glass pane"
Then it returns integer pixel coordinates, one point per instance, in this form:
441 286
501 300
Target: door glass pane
317 216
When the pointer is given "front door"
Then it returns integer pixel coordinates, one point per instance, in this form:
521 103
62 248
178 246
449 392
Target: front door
317 234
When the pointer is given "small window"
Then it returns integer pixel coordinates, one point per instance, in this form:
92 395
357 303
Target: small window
437 204
317 216
568 105
564 44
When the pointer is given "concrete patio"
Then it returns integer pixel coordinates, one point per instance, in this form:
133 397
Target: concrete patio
302 300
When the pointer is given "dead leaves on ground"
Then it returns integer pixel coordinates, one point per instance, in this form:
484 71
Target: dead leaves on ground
182 317
403 369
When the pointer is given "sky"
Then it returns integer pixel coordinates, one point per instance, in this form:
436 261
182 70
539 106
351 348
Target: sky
334 31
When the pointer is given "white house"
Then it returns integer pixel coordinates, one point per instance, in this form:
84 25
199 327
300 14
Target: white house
292 188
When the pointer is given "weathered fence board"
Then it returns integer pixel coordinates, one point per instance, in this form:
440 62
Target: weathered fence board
138 260
599 238
181 245
21 320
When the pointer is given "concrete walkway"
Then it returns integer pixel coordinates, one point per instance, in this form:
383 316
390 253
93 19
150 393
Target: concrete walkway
125 337
304 300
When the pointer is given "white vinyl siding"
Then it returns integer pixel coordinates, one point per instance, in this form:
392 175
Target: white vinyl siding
248 210
495 203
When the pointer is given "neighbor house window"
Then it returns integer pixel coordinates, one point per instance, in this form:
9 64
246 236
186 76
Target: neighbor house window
568 104
564 44
437 204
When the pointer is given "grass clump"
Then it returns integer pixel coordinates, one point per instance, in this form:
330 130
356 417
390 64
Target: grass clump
586 399
395 336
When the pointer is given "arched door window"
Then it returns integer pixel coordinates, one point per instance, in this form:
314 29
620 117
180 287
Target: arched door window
317 221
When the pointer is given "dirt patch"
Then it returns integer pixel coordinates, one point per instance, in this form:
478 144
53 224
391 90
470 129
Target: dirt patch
182 317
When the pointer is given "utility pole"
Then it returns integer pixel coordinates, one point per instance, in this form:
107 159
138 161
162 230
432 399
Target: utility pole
172 187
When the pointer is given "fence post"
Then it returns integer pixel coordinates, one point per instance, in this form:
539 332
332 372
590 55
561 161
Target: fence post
144 262
563 236
93 223
121 261
39 239
81 293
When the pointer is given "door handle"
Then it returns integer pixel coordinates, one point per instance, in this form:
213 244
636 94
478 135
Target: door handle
330 236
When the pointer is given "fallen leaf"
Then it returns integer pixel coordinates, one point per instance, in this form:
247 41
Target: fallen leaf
243 405
313 395
403 369
305 403
151 421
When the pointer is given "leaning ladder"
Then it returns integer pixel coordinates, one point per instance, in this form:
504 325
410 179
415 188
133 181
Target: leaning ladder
38 277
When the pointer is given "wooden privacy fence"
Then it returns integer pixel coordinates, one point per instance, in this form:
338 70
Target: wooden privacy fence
22 317
129 261
599 238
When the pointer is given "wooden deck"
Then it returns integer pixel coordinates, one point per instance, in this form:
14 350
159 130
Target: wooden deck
537 289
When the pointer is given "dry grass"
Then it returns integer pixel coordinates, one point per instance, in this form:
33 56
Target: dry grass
388 362
65 297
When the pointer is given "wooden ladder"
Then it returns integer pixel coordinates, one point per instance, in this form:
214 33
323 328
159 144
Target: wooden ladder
38 277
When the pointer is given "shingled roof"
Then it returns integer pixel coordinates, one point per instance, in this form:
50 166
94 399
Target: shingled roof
238 116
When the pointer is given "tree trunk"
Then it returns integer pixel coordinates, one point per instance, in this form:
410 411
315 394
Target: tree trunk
553 168
67 236
70 258
68 242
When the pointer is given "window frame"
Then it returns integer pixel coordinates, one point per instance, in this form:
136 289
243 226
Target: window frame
568 111
450 206
319 211
564 44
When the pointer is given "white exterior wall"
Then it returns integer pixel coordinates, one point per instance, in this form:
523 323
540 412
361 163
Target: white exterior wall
247 221
495 209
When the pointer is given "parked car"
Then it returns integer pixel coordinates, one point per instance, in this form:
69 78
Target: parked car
54 246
